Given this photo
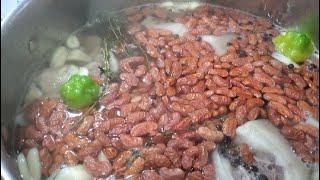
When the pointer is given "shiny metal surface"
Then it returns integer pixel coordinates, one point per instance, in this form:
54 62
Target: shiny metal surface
36 26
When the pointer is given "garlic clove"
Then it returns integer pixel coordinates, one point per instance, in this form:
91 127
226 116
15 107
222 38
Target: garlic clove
23 167
73 42
34 164
59 57
33 93
78 56
30 168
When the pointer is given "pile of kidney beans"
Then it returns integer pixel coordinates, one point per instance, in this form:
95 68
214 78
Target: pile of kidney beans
168 112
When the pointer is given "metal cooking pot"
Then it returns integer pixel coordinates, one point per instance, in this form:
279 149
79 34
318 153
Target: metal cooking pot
36 26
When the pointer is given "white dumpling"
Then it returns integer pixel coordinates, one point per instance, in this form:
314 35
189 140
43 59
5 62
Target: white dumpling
262 136
71 173
240 173
175 28
223 167
285 60
219 43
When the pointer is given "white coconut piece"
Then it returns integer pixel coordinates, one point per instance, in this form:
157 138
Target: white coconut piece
285 60
222 167
59 57
73 42
262 136
33 93
71 173
219 43
78 56
263 160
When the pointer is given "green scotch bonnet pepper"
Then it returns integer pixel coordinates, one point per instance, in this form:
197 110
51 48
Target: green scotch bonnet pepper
295 45
80 91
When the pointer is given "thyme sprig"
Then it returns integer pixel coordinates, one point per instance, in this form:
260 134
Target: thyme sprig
116 39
